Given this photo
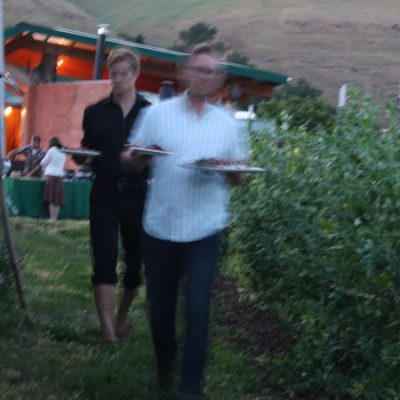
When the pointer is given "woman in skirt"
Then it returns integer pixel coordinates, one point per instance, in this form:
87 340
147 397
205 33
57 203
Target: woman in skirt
53 166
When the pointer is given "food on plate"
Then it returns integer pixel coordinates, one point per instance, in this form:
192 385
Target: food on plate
224 165
221 163
155 147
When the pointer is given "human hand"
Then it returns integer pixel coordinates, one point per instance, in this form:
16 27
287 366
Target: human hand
132 161
80 159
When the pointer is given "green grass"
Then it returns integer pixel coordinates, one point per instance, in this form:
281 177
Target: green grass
55 352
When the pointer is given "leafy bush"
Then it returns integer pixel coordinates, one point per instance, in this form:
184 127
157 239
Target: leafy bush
238 58
312 113
299 105
300 88
320 240
198 33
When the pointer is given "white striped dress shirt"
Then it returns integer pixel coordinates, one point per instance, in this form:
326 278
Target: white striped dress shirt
183 204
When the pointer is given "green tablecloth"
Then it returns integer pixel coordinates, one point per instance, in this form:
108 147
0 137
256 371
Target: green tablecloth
26 196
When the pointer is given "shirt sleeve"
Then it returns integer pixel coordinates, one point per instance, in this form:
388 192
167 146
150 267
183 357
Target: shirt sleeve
41 155
143 132
88 137
137 124
25 151
240 141
47 158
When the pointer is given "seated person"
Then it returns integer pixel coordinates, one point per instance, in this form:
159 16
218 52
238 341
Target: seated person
33 156
14 167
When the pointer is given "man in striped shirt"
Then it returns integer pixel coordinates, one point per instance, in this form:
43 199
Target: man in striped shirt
186 211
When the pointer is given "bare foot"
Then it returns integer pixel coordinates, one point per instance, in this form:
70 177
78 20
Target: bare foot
110 340
122 328
121 322
109 336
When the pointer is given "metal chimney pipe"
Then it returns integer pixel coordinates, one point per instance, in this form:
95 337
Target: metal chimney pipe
102 32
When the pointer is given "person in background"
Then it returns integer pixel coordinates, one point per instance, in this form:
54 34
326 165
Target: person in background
166 90
186 211
33 154
117 197
53 170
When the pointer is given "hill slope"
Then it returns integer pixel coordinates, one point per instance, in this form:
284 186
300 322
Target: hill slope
49 13
327 42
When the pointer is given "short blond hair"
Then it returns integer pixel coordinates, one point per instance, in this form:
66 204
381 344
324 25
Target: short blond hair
122 54
206 48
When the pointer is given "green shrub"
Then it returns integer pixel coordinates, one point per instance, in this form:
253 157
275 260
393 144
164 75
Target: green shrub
299 105
313 113
319 238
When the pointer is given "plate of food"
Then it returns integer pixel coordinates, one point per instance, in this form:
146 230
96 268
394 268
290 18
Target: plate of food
149 151
224 166
81 152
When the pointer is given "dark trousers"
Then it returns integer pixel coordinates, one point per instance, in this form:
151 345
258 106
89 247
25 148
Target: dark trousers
116 211
165 263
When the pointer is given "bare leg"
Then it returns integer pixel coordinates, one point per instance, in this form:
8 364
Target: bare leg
121 325
51 211
104 295
56 210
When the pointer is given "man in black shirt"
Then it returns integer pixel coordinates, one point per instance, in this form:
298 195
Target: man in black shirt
117 197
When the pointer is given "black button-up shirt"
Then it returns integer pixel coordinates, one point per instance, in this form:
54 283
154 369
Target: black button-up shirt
106 130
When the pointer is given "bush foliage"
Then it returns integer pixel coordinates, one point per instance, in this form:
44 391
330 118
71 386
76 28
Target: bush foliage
299 105
319 238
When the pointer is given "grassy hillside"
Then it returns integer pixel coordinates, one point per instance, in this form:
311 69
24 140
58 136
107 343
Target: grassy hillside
48 12
327 42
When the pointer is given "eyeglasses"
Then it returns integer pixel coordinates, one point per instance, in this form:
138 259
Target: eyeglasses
204 70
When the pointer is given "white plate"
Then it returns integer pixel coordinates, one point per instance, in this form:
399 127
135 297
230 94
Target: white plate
148 151
237 168
85 153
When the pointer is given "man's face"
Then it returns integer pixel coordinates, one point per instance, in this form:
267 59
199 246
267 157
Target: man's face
123 77
35 144
203 75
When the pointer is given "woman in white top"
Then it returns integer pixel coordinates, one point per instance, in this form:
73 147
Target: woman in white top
53 166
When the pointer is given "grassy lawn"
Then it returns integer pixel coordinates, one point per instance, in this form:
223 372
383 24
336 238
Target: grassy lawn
55 351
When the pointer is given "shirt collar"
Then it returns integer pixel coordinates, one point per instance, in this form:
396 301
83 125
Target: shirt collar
184 101
110 99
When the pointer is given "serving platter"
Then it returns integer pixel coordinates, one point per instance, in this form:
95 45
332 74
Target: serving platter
81 152
225 168
149 151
